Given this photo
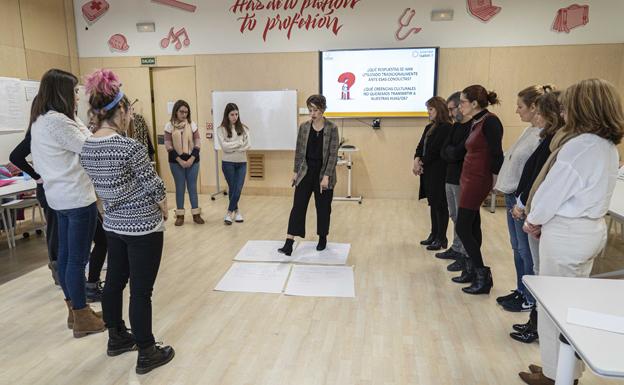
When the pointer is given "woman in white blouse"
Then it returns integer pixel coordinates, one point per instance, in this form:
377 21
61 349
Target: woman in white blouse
570 197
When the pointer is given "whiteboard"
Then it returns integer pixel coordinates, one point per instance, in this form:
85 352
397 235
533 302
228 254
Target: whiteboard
16 98
270 115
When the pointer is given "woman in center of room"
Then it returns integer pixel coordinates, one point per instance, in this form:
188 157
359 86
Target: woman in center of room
315 172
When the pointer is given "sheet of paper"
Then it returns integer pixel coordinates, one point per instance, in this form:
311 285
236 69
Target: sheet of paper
263 251
32 88
594 320
255 278
334 253
321 281
12 105
170 107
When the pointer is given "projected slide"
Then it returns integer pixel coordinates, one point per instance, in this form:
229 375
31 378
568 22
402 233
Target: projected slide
378 83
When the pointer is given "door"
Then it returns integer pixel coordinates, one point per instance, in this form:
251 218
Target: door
169 85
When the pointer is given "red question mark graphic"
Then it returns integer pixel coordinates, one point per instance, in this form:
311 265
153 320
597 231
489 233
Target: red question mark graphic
346 79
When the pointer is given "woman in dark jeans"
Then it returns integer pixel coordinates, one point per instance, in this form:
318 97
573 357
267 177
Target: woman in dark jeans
98 253
432 170
135 209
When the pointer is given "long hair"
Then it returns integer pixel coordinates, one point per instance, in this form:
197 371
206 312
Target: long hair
225 123
56 93
549 108
482 96
174 113
530 94
594 106
103 86
442 112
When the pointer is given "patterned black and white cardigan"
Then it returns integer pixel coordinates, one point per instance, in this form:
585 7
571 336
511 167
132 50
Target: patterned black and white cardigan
126 182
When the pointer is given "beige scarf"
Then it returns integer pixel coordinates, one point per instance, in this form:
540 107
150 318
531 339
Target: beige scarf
182 136
561 138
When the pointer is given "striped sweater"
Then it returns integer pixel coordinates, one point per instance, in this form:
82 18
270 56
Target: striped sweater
126 183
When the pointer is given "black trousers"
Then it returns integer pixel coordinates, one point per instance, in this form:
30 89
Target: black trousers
439 221
310 184
468 229
52 239
98 253
136 258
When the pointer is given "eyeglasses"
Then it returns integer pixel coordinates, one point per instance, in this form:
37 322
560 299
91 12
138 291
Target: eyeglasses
464 101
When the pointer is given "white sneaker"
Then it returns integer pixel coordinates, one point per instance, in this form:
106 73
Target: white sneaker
239 218
228 219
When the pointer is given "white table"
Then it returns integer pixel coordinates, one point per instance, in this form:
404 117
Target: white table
601 350
349 163
20 186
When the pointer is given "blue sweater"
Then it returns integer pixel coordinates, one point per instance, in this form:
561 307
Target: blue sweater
126 183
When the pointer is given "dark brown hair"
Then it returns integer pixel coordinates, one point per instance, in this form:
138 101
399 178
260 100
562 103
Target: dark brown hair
594 106
56 93
318 101
479 94
225 123
174 113
530 94
442 112
549 108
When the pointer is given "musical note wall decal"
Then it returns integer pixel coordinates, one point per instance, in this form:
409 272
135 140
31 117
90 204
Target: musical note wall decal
174 37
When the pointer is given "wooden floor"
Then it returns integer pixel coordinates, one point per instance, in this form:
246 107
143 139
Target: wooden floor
407 325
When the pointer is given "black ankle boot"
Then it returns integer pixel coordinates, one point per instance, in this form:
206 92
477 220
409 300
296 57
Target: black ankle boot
482 282
438 245
467 274
287 248
531 324
458 265
428 241
153 357
322 243
119 341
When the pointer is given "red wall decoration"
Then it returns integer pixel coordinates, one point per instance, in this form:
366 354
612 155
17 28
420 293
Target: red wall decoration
174 37
404 21
94 9
177 4
482 9
571 17
347 79
118 42
289 15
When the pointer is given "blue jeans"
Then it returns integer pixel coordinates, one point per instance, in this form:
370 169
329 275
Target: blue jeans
76 228
235 176
185 178
520 245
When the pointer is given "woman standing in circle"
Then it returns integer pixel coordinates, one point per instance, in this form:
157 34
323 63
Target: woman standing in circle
234 140
484 157
183 143
432 170
315 172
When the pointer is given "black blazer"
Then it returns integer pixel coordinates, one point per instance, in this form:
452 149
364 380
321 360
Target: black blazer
433 179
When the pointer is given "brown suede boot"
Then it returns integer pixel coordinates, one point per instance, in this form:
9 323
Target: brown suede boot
196 216
87 322
179 217
538 379
70 314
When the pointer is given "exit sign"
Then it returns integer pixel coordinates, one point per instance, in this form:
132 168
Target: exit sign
148 61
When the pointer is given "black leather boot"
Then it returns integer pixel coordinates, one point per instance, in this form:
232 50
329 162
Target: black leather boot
428 241
467 274
530 325
119 341
482 283
458 265
152 357
438 245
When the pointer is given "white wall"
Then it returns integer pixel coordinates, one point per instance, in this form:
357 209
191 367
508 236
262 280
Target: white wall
372 23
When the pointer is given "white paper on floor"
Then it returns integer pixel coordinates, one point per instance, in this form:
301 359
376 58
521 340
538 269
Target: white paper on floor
334 253
263 251
255 278
321 281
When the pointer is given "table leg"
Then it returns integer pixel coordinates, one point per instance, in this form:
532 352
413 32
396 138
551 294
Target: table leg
565 365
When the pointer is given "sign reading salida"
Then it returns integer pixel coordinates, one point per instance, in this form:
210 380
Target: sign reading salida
286 15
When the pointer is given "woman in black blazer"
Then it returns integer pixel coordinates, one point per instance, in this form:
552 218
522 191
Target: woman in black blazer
429 165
